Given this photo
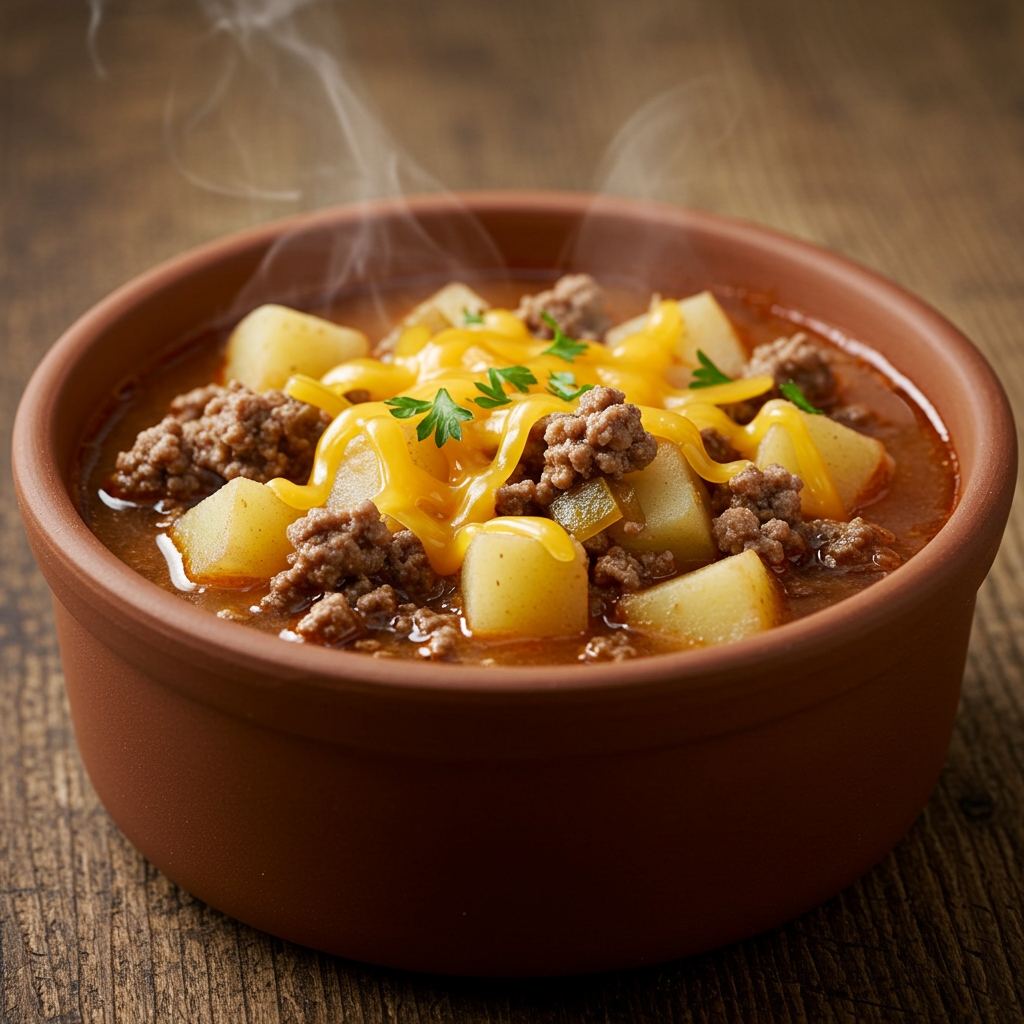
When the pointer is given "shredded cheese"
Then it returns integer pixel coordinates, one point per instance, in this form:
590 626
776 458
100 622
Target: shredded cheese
446 496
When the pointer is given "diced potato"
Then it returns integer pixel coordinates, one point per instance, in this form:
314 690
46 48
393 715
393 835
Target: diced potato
859 465
273 342
675 505
512 586
724 601
236 535
358 477
445 308
777 447
587 509
709 329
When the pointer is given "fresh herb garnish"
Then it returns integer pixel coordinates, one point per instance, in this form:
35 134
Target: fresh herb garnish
470 316
792 391
707 374
563 347
563 385
442 420
518 376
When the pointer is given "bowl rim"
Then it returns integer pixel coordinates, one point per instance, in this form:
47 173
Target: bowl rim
204 639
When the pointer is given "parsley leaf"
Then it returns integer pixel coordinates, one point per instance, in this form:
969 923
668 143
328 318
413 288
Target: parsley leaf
563 347
442 419
518 376
406 408
563 385
707 374
470 316
798 398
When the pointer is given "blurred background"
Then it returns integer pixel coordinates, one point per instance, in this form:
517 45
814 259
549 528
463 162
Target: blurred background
131 130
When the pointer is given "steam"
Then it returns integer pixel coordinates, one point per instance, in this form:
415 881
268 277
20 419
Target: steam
276 66
666 146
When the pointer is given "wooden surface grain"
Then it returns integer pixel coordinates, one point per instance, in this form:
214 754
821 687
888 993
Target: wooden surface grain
893 133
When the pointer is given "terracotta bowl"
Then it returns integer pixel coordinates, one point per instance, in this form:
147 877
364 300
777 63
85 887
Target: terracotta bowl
514 821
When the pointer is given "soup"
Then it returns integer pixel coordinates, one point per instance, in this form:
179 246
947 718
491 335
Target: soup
570 477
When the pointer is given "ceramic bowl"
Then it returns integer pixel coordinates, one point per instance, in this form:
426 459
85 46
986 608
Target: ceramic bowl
514 821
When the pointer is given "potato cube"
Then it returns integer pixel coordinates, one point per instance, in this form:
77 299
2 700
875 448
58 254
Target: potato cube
512 586
358 477
675 505
724 601
236 535
859 465
446 308
274 342
777 448
708 328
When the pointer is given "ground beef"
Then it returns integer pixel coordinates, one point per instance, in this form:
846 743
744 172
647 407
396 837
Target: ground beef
609 647
218 433
378 606
331 545
772 494
524 498
576 303
605 436
798 360
358 395
618 567
717 446
408 566
441 631
330 621
856 543
739 529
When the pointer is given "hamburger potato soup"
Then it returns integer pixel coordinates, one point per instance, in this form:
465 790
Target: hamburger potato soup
570 475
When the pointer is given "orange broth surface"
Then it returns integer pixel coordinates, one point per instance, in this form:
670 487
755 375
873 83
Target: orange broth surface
921 494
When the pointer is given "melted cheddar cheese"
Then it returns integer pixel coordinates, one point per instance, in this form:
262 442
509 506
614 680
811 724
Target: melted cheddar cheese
446 495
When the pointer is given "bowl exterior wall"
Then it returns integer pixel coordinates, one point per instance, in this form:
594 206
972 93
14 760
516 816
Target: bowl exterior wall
501 866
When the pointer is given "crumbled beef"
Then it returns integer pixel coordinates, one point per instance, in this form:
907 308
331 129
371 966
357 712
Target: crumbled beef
378 606
739 529
218 433
330 621
717 446
599 544
798 360
408 565
331 545
356 588
604 436
771 494
522 499
441 631
357 395
575 303
609 647
857 542
403 622
631 571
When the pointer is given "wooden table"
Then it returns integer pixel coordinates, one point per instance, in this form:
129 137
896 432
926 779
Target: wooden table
891 132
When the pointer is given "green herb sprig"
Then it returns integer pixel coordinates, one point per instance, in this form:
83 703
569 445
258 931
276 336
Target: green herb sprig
563 385
442 419
707 375
494 393
792 391
563 347
470 316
